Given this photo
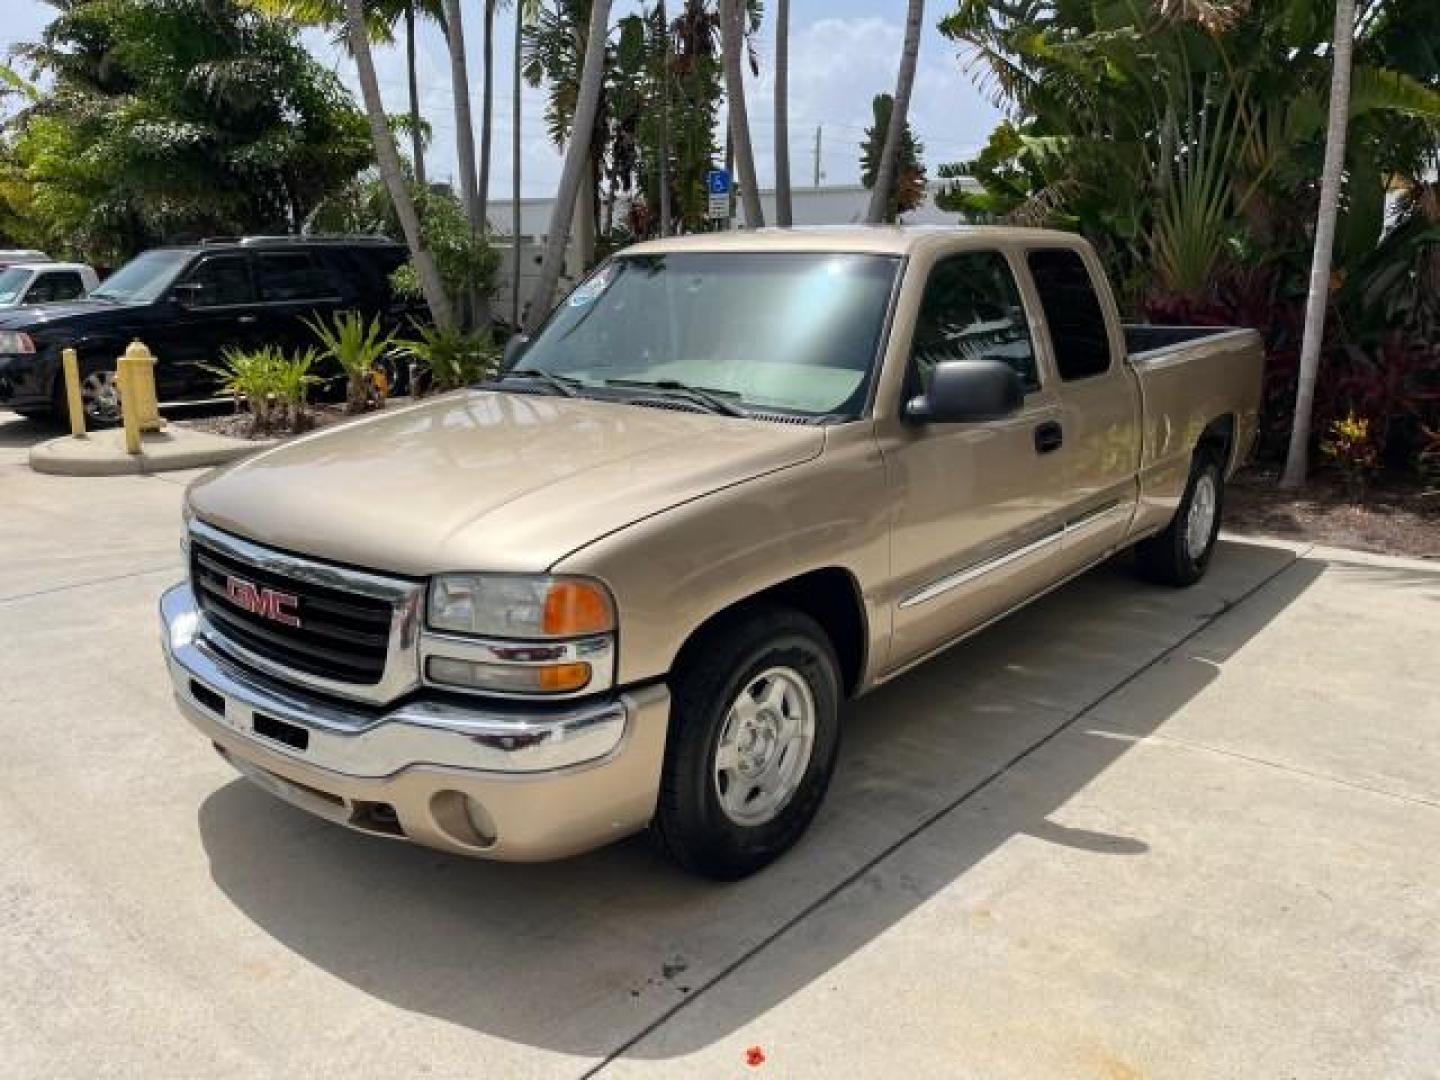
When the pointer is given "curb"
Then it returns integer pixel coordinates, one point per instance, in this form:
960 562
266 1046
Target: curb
102 453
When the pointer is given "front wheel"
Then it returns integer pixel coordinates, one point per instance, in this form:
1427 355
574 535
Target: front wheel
754 733
1181 554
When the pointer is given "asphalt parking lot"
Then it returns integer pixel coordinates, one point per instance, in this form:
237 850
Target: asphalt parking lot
1127 833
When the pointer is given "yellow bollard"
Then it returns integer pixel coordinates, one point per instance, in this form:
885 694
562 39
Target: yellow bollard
139 408
71 365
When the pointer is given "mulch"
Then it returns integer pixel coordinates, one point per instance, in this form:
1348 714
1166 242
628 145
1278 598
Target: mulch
1393 517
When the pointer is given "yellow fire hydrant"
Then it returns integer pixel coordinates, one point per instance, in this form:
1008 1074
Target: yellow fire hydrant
139 408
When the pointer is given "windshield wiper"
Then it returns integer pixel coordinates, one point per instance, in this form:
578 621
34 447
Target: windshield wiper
708 399
561 384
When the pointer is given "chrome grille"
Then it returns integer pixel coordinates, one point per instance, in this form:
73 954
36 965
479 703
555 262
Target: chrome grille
353 632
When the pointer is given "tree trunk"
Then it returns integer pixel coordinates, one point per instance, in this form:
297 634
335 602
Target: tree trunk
1298 457
732 35
882 193
417 137
577 163
387 158
515 166
487 111
664 148
464 129
783 214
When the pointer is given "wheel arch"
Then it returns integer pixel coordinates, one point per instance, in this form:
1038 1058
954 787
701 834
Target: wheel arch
1218 438
830 595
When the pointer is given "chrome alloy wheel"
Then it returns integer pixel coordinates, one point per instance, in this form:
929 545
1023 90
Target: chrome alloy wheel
100 395
1201 520
765 746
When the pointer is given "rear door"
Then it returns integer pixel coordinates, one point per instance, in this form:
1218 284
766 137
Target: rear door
980 505
294 286
1098 399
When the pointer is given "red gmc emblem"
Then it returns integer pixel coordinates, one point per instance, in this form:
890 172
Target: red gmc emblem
267 603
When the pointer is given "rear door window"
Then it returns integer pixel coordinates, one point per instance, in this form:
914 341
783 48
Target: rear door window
971 310
223 281
289 276
1078 332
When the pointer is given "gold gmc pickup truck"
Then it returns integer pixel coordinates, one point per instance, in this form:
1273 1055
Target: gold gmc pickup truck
734 480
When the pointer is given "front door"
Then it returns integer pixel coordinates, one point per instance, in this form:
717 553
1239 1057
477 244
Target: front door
213 311
980 506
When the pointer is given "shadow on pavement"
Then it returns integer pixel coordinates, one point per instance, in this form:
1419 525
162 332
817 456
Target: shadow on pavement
581 957
20 433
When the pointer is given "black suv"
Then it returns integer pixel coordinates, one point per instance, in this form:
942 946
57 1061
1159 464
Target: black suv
188 304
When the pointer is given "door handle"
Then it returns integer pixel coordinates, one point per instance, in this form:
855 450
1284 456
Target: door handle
246 320
1048 437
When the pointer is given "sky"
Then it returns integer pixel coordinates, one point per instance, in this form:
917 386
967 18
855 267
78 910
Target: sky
842 53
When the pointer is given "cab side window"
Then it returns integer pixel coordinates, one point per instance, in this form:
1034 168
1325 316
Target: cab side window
54 286
971 310
222 281
1072 312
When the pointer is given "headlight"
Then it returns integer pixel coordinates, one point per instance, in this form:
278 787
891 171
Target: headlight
16 341
519 606
518 635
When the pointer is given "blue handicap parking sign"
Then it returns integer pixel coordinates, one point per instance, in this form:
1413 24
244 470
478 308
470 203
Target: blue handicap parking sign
717 182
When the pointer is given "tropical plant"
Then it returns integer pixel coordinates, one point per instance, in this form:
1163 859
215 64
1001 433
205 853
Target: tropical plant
449 359
1348 443
734 15
271 386
356 345
908 190
784 213
1318 299
577 160
883 194
392 172
154 122
382 17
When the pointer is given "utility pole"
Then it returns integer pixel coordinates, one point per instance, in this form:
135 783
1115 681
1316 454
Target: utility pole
816 154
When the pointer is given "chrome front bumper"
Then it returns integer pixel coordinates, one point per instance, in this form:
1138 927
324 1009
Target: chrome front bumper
336 759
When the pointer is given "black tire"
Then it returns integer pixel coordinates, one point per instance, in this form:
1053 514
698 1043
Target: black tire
1168 558
95 418
692 826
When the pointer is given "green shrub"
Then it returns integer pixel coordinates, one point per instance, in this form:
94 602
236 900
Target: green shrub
450 358
356 345
270 385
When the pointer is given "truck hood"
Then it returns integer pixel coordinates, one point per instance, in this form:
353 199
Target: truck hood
483 480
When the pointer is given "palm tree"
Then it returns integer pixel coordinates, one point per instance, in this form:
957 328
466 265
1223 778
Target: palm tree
417 134
880 194
464 130
524 10
783 216
387 159
577 162
663 150
487 108
1297 458
732 31
380 20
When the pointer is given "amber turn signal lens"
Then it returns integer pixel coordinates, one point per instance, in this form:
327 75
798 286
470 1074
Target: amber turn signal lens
563 678
573 608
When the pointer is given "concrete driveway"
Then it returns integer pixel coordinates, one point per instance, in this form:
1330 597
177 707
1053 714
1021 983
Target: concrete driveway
1128 832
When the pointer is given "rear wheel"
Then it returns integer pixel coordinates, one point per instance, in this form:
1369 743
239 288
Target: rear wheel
1181 554
753 739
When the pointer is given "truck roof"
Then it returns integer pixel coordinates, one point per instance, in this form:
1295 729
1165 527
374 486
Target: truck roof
879 239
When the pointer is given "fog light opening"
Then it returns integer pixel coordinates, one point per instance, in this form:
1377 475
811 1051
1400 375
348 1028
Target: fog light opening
463 819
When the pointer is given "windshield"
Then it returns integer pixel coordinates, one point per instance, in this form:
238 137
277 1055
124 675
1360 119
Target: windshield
793 331
144 278
12 283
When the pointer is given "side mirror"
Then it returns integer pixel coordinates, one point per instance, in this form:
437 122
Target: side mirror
962 390
514 349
